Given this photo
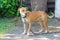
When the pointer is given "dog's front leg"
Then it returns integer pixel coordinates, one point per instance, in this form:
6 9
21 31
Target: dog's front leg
24 24
28 33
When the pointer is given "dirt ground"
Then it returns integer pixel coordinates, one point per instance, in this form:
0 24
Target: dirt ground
54 27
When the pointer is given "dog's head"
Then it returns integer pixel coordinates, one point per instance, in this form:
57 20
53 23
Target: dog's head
23 11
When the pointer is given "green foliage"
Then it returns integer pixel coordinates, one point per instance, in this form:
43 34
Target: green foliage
6 24
23 3
8 8
50 13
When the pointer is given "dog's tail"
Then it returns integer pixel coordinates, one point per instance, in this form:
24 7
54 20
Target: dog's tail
51 15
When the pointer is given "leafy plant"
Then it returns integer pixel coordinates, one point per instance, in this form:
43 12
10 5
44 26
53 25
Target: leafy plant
6 24
8 8
50 13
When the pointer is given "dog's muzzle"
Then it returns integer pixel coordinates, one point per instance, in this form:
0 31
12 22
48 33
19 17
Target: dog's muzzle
24 15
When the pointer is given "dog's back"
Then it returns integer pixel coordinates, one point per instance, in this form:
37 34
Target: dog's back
35 15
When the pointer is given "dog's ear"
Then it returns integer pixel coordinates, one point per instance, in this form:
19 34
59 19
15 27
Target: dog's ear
26 8
18 9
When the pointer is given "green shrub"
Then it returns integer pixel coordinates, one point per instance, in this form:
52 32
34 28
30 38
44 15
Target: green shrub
50 13
8 8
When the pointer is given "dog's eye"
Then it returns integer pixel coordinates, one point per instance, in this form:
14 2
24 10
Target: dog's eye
22 10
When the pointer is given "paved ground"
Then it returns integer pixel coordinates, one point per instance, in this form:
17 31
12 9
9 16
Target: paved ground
54 27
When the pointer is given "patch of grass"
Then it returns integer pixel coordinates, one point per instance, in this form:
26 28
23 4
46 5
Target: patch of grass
6 24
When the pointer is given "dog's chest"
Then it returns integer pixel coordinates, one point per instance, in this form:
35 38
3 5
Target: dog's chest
25 20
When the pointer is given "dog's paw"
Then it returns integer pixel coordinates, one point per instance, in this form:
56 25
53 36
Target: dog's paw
28 34
40 31
46 31
24 33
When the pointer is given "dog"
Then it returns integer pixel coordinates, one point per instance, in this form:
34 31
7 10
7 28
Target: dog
32 16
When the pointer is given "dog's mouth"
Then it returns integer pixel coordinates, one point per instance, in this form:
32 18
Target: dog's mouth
23 15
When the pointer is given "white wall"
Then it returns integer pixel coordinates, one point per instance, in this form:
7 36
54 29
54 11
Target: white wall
57 8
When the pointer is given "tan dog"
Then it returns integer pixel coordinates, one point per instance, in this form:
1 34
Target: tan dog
31 17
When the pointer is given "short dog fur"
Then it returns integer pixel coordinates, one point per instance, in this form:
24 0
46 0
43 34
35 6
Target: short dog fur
32 16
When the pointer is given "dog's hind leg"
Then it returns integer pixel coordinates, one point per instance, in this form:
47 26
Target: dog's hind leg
46 26
41 26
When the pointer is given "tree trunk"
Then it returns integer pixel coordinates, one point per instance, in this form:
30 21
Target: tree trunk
39 5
